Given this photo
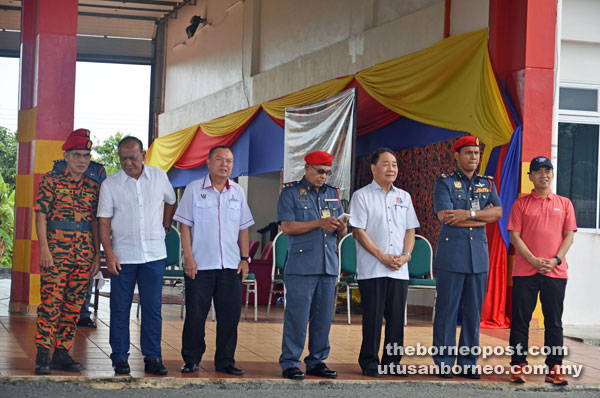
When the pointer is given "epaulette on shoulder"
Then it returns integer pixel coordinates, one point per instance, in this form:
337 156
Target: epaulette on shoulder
290 184
332 186
486 177
444 175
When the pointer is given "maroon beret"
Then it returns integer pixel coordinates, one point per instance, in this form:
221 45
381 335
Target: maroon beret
78 139
319 157
467 140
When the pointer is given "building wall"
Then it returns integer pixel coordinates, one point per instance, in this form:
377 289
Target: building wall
264 49
580 63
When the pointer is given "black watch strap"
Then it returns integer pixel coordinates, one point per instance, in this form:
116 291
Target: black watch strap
558 260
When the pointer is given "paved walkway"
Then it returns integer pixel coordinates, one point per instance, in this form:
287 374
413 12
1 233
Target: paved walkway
259 345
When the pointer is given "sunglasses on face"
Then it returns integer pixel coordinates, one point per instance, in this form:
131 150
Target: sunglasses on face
321 171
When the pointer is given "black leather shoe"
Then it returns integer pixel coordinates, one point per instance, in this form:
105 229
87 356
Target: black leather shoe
61 360
293 374
42 361
469 374
122 367
321 370
155 366
189 367
87 323
371 372
232 370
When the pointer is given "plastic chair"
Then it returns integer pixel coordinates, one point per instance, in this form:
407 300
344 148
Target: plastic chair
347 264
253 248
420 271
251 287
279 253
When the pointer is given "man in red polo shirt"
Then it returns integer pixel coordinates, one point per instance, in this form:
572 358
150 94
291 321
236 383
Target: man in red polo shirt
541 225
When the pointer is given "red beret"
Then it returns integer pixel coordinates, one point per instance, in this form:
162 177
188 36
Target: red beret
467 140
78 139
319 157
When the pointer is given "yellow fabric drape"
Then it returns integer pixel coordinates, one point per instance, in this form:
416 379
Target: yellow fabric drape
276 108
164 151
450 84
229 123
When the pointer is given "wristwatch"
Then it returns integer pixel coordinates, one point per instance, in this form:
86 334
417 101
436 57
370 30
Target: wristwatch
472 213
406 254
246 259
558 260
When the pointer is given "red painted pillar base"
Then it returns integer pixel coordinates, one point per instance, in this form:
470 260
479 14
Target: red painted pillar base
47 102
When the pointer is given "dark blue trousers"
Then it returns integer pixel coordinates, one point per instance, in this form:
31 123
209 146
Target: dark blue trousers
451 288
308 298
149 278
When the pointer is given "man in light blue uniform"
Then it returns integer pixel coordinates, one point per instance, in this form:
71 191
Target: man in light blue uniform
308 212
464 202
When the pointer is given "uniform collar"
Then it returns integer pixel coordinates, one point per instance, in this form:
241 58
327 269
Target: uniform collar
536 196
304 182
207 183
67 174
463 176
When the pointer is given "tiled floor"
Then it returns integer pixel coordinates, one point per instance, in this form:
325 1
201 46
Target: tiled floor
259 345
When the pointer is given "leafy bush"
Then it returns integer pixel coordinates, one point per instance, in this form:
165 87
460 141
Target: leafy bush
7 223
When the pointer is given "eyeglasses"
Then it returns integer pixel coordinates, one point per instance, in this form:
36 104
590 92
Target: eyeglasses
321 171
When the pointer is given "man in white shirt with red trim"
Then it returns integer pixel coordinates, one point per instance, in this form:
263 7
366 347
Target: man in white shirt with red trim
214 218
383 222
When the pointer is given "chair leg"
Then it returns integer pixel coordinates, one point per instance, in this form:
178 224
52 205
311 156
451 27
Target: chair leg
246 305
434 302
348 294
269 303
255 291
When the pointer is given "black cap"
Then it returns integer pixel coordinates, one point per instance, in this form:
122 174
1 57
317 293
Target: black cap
538 162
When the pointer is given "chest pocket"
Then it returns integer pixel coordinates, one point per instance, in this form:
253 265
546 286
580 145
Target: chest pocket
206 211
234 208
304 210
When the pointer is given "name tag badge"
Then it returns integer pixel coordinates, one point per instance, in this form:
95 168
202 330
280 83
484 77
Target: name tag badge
331 200
325 213
303 198
475 205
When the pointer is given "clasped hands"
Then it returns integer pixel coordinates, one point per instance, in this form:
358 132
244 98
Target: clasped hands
544 265
393 261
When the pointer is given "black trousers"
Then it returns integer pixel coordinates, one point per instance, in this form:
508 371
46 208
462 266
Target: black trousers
524 298
381 298
225 287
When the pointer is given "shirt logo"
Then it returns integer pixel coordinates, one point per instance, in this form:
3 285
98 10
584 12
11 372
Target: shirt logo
480 184
203 196
302 191
398 200
457 184
556 209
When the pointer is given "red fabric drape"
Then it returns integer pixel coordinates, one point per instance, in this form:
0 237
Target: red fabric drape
493 314
196 153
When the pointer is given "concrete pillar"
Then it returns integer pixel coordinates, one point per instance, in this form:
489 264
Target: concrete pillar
46 108
522 48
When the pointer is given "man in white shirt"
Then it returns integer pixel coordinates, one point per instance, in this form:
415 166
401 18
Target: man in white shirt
383 220
214 218
131 210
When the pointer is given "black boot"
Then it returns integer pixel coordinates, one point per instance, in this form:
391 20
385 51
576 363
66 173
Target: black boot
61 360
42 361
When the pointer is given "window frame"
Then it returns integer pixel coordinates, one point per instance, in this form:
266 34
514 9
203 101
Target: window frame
584 117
